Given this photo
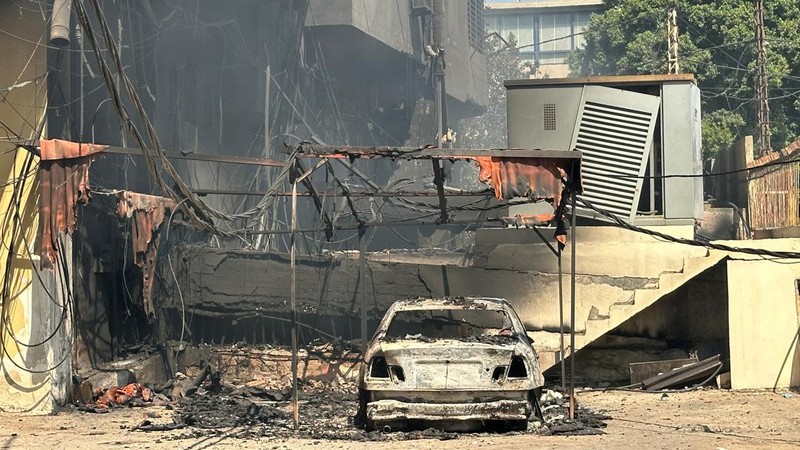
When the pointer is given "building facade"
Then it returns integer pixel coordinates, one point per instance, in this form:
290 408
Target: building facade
546 30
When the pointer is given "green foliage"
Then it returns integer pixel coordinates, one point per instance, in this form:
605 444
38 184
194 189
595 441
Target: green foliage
717 44
503 63
721 128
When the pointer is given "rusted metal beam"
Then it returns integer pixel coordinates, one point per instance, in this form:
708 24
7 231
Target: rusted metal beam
346 193
572 234
487 193
299 169
327 151
191 156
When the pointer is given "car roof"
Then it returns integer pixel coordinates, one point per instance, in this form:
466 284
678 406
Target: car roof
422 303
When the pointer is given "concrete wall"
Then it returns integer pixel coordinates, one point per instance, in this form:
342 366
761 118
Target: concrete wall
508 263
694 317
604 251
466 73
358 34
35 359
732 187
746 307
385 20
764 317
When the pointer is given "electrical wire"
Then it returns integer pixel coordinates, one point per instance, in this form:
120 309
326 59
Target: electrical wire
778 162
693 242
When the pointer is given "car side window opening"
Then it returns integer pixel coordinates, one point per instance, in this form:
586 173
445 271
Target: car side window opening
449 324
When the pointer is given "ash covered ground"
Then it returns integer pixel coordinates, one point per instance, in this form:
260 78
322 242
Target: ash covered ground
326 413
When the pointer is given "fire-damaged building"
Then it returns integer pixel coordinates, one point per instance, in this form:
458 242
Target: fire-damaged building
214 93
281 172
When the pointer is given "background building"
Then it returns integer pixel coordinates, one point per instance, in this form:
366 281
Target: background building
546 30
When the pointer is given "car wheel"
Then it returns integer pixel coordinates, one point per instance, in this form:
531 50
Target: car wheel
535 395
516 425
360 420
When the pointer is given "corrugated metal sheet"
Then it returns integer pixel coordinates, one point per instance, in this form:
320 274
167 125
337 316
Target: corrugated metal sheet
614 134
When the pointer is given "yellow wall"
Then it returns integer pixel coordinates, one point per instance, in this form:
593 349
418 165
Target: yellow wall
764 319
28 316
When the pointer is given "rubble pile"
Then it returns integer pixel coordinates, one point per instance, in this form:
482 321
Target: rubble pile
555 408
232 393
327 414
225 411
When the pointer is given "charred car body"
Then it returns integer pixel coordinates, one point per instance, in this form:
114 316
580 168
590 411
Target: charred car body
450 360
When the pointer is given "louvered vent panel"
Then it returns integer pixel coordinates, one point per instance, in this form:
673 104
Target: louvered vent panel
614 140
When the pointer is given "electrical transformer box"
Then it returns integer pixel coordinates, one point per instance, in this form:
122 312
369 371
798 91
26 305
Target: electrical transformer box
635 132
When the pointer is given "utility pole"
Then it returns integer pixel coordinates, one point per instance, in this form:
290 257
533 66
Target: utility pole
762 82
672 36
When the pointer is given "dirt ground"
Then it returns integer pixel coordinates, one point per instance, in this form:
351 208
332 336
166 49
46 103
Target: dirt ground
705 419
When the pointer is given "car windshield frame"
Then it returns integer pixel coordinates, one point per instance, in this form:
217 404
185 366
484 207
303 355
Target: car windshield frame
456 323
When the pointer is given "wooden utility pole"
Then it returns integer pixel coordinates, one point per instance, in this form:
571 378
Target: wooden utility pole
672 35
762 81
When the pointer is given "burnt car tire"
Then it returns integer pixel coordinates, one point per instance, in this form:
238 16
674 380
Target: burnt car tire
516 425
360 420
537 414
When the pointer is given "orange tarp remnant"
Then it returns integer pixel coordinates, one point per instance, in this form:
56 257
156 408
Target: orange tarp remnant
528 220
538 178
63 183
115 396
147 212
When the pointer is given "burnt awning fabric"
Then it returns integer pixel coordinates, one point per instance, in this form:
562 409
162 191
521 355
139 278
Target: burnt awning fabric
63 183
148 213
534 178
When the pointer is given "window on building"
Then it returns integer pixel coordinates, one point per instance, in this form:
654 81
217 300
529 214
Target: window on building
524 32
555 38
579 23
546 37
476 25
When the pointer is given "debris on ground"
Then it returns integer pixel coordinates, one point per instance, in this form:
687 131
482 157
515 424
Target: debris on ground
690 375
205 404
555 408
134 394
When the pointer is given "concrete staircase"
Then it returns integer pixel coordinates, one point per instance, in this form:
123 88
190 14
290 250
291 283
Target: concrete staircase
599 323
619 274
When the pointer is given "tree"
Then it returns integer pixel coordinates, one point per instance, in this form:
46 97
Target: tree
717 44
503 63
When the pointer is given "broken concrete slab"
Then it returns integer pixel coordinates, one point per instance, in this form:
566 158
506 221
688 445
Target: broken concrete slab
106 378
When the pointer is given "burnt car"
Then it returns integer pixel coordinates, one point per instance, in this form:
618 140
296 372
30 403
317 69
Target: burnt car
449 361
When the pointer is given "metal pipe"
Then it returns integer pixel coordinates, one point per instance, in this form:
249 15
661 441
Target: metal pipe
362 285
561 320
59 23
79 37
572 309
293 300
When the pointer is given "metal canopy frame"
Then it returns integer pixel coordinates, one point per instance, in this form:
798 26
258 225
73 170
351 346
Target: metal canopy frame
429 152
571 187
571 182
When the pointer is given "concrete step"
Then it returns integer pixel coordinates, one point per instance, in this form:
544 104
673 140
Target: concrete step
618 313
